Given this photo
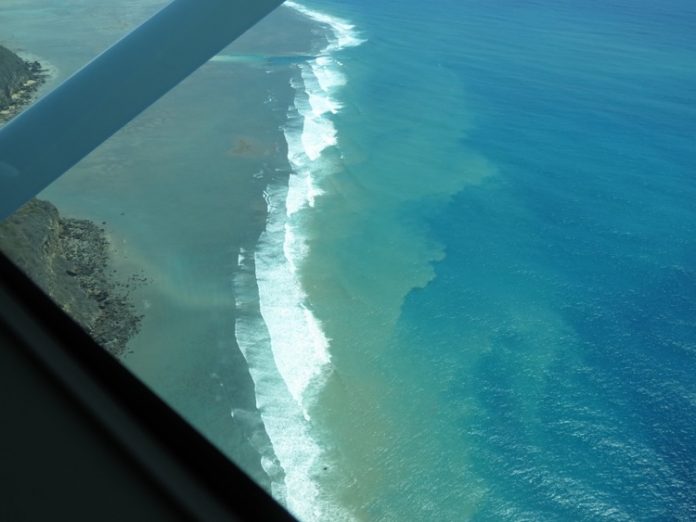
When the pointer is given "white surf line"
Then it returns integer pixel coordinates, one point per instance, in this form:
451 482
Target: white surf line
286 348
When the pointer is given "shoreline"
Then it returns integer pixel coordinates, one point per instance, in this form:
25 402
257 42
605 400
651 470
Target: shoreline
20 81
234 410
68 258
290 381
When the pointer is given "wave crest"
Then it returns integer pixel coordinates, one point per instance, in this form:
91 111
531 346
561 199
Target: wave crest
288 351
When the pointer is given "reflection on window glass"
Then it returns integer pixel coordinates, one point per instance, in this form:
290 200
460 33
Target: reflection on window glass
399 262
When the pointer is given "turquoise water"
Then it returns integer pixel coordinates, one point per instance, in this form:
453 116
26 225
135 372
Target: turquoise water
501 256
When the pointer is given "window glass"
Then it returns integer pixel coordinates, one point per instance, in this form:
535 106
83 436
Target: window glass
401 260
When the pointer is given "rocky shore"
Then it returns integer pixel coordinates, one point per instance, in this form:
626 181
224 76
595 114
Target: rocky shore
19 81
67 258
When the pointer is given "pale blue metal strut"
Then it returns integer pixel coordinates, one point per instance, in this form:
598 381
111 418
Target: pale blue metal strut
59 130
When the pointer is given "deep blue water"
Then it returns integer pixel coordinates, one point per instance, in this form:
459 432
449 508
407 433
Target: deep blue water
596 146
549 363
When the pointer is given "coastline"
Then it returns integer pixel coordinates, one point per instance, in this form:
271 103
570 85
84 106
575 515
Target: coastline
19 82
201 158
68 258
190 348
284 343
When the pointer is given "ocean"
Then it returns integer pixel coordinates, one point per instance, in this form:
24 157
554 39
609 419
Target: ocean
418 261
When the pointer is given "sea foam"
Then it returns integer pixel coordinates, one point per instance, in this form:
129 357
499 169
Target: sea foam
285 346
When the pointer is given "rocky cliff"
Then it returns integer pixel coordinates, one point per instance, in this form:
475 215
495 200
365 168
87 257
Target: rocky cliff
67 258
18 81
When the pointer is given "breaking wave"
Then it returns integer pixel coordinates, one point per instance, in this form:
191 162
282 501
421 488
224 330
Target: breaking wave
279 335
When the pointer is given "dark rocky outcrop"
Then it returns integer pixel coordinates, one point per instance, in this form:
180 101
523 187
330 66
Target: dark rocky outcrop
18 82
68 259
